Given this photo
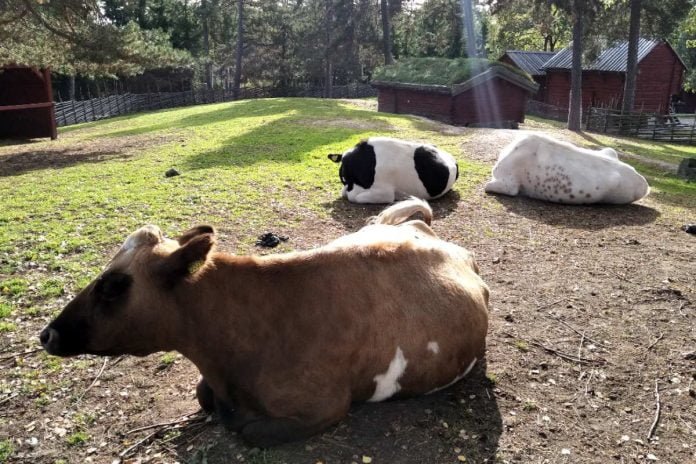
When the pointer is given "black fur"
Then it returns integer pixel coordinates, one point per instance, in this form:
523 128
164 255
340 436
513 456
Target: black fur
431 170
358 166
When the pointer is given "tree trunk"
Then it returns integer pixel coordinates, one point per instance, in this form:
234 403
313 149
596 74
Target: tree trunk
328 68
632 61
240 49
386 33
206 45
575 106
71 87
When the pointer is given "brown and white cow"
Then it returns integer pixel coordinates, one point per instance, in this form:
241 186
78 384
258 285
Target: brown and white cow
286 342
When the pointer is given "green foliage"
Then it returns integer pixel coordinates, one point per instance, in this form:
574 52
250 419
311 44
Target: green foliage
437 71
5 309
72 36
434 29
77 438
6 450
14 287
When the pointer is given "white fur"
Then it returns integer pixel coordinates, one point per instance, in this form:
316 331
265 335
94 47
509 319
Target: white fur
150 235
388 383
395 175
456 379
548 169
433 347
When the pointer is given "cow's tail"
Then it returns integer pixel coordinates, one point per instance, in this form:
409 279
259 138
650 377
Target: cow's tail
403 210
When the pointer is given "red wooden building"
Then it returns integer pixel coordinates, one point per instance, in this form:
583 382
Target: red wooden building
532 63
495 97
26 103
660 76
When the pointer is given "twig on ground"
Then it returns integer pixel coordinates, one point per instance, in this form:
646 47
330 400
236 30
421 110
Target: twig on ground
118 360
161 427
6 399
132 448
662 335
185 419
658 407
569 357
582 334
17 355
548 305
582 341
94 382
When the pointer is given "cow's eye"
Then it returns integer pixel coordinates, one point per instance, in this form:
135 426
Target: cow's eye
113 285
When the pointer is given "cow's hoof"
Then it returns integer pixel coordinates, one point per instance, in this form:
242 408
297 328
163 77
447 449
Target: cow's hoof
205 396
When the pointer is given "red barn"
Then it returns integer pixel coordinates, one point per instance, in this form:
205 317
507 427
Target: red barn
495 97
660 75
26 103
532 63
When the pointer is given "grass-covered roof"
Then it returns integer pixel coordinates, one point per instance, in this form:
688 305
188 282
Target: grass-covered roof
438 71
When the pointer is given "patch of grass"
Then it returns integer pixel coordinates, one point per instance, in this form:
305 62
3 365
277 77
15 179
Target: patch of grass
14 287
51 288
522 345
7 327
5 309
167 360
77 438
6 450
529 405
438 71
492 377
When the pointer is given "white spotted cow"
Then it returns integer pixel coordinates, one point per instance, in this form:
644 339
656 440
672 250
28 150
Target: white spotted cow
383 169
544 168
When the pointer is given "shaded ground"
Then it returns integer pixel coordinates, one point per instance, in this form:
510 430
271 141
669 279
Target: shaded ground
592 309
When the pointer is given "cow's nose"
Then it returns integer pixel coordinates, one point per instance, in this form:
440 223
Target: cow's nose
48 338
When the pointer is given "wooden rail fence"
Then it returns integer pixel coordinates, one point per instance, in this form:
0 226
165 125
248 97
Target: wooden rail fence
94 109
678 128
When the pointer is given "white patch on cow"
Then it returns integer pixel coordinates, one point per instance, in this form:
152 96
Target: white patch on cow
433 347
547 169
456 379
388 383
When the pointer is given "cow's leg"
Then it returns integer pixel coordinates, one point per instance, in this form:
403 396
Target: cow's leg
271 431
375 195
505 185
205 396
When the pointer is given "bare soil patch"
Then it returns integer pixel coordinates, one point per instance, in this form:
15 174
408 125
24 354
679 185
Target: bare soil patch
592 308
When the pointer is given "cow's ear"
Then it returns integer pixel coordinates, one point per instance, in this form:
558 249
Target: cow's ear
188 259
195 231
336 157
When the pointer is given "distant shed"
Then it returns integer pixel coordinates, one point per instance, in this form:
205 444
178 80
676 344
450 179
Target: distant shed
660 76
26 103
532 63
496 97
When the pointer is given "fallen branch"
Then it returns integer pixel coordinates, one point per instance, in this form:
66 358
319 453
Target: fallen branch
17 355
547 305
582 334
132 448
658 408
161 427
186 419
94 382
570 357
655 342
5 400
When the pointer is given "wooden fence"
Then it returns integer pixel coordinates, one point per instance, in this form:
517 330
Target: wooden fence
679 128
94 109
544 110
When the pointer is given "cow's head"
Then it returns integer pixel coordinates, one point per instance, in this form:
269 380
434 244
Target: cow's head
129 308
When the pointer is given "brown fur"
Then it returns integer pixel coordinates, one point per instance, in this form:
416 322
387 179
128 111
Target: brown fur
285 342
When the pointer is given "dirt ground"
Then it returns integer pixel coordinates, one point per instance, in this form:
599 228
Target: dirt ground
592 312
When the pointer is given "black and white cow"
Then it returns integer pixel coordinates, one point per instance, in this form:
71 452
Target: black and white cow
544 168
383 169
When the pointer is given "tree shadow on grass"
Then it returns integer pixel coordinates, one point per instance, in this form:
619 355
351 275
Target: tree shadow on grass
353 216
424 429
13 165
587 217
